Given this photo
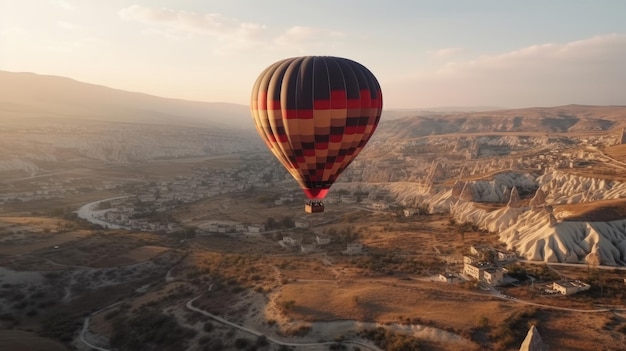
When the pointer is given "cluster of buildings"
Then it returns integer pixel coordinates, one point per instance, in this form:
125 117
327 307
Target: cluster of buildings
54 189
135 211
254 173
295 241
567 287
484 264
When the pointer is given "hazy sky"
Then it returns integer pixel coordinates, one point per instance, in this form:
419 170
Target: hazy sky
424 53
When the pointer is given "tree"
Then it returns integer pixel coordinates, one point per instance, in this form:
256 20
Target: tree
287 222
189 232
271 223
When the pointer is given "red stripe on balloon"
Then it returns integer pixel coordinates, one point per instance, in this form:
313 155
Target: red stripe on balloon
262 101
298 114
315 193
321 104
338 99
336 138
353 103
321 146
273 105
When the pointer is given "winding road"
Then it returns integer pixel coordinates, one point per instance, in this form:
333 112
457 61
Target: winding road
190 306
88 212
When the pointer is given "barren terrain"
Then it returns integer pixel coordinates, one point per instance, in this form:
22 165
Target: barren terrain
216 259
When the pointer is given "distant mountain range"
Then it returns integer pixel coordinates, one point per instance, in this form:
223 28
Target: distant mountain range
29 95
560 119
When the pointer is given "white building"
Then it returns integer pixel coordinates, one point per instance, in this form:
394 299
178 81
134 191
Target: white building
302 224
493 276
448 278
307 248
480 250
289 241
379 206
256 228
566 287
484 272
354 248
322 240
504 256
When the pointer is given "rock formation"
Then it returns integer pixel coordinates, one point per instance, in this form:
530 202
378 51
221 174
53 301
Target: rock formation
466 193
514 200
457 188
533 231
533 341
436 172
553 221
594 258
539 199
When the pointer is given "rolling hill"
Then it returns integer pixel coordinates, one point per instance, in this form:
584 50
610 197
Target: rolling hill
32 96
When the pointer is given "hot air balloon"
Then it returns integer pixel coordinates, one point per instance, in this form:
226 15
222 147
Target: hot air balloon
316 113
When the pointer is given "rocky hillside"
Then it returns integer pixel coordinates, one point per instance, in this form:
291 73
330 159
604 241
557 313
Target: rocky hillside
561 119
537 228
32 96
46 120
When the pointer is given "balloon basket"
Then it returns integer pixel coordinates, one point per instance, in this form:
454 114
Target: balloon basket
314 207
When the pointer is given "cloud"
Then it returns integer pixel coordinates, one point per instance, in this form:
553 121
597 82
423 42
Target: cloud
184 22
13 32
68 25
232 33
301 37
589 71
69 46
64 4
445 53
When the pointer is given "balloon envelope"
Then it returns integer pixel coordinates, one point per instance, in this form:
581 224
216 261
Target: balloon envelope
316 113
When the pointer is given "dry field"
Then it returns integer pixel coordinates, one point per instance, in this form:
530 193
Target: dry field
391 283
248 207
144 253
618 152
23 235
391 300
109 249
71 203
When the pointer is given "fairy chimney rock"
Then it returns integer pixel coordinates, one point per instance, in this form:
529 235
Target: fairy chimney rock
514 200
466 193
539 199
553 220
457 188
533 341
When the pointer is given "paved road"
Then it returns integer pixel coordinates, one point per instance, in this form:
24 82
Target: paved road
89 212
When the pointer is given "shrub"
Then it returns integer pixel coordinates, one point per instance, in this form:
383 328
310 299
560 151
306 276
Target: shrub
150 331
241 343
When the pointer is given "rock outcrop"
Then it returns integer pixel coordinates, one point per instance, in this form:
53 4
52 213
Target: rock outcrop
533 231
514 200
539 199
533 341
